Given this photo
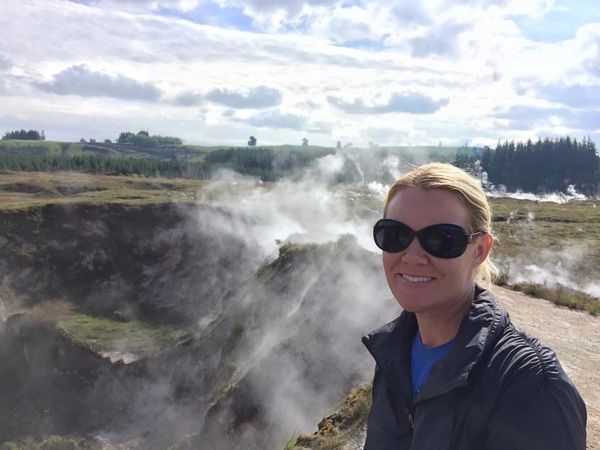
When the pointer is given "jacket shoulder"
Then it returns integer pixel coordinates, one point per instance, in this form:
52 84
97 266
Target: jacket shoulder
517 354
529 393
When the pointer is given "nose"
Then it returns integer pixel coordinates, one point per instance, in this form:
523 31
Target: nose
414 254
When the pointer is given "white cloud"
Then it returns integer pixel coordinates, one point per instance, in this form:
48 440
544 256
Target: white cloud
5 62
409 12
189 98
440 40
467 61
410 102
588 38
253 98
275 14
258 97
345 24
145 5
574 95
81 80
276 119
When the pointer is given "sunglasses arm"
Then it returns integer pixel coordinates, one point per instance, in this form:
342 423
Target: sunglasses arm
474 235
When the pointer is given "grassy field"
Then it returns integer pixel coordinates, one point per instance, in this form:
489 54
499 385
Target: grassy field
550 234
23 190
41 147
72 148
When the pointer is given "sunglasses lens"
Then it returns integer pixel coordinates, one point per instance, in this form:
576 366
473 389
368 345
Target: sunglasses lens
444 240
391 236
441 240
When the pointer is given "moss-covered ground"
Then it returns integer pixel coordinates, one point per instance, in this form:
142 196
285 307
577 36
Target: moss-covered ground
53 443
340 428
109 336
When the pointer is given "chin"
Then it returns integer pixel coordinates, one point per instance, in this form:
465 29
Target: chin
413 304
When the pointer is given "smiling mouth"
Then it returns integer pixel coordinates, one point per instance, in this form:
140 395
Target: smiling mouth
415 279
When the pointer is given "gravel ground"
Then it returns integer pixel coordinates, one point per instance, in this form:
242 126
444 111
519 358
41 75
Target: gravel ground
574 336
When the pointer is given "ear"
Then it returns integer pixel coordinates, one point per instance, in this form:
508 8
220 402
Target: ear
483 247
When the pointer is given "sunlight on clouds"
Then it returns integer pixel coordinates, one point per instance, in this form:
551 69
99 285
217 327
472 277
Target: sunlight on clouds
325 69
144 5
81 80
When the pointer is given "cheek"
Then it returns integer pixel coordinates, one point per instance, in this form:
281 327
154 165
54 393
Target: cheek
390 263
471 259
387 260
464 269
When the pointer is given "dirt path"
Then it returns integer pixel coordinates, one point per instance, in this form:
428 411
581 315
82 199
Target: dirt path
574 336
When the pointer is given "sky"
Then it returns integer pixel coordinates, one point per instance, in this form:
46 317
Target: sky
215 72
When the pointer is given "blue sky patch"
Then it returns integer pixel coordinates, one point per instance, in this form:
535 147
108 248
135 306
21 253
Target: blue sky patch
561 23
210 13
364 44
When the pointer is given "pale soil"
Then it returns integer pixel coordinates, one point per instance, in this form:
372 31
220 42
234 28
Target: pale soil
574 336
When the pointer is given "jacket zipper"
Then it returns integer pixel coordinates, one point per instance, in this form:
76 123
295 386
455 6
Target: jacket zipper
411 420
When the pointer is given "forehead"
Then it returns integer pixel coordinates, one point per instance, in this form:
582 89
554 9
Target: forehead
418 207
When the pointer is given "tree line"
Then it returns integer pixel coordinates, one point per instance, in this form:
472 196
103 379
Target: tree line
29 135
544 166
103 164
547 165
144 140
265 163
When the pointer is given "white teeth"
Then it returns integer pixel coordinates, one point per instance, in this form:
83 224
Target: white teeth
416 279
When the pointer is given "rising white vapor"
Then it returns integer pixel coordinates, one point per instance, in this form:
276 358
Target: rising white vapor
553 197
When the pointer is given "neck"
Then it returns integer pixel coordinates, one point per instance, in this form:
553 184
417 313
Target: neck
440 327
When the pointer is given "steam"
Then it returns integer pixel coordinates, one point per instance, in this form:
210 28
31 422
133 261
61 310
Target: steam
3 315
300 349
554 197
299 384
332 301
552 268
304 211
491 190
3 308
377 169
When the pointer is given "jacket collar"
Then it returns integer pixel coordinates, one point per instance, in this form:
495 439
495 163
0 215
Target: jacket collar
390 346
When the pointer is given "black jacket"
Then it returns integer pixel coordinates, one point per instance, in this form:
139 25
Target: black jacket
497 389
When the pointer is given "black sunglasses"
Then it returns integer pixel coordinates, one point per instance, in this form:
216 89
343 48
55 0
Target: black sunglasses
443 240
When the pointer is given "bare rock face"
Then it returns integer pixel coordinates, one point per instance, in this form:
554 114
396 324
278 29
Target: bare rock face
102 257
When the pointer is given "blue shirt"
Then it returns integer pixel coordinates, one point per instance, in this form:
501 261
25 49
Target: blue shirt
423 359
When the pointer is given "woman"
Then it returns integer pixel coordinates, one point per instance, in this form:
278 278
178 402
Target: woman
452 372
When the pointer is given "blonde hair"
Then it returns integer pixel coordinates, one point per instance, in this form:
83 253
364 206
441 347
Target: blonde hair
468 189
